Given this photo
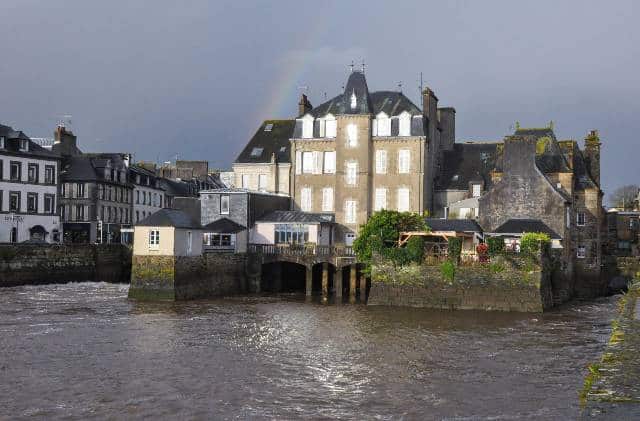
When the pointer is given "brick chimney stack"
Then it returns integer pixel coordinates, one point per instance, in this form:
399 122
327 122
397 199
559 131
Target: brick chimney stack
65 142
304 106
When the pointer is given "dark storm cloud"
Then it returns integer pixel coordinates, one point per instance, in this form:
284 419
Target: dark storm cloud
159 78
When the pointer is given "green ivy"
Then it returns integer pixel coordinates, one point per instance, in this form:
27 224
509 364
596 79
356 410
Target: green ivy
496 245
448 270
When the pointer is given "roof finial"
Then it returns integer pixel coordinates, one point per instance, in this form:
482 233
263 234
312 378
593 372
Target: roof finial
351 66
400 86
517 125
363 65
551 124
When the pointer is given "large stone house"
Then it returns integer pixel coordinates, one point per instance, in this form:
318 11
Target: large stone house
532 176
28 190
354 154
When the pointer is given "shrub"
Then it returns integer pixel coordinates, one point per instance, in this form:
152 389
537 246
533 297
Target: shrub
415 249
496 245
455 248
381 232
497 267
532 242
448 270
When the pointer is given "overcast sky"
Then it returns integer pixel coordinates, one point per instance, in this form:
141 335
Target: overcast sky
195 78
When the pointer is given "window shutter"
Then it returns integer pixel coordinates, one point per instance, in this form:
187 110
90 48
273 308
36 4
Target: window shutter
298 162
317 162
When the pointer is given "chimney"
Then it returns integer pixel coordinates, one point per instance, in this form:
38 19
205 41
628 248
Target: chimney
304 106
592 154
447 118
65 142
519 156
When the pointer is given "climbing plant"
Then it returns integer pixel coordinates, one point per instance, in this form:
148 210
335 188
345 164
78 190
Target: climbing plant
533 242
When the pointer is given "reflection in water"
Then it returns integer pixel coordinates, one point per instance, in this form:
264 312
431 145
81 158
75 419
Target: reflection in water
84 350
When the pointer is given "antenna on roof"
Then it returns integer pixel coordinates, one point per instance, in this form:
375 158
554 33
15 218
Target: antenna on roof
304 88
351 66
363 66
400 86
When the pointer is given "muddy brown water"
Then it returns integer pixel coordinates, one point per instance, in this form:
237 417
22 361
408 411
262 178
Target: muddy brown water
84 351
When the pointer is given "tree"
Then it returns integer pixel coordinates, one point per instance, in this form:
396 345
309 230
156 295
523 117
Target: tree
625 197
382 231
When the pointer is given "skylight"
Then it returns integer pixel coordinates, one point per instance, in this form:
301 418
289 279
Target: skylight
283 149
268 127
256 152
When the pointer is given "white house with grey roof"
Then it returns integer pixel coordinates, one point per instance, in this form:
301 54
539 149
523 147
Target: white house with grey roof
28 190
168 232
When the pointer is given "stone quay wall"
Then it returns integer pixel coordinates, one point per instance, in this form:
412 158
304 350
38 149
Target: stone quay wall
187 278
512 286
24 264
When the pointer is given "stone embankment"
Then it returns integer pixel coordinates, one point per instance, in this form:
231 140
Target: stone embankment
186 278
612 386
512 284
24 264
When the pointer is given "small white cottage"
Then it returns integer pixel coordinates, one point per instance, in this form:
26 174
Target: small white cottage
168 232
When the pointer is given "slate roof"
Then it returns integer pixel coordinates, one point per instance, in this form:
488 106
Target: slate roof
169 218
274 141
392 103
297 217
465 163
11 143
549 156
457 225
582 175
90 167
176 188
521 226
224 225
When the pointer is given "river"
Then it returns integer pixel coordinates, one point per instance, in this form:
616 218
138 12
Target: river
84 351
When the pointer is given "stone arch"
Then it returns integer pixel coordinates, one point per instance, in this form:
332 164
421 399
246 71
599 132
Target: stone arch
37 233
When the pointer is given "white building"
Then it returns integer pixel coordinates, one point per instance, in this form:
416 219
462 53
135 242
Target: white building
28 190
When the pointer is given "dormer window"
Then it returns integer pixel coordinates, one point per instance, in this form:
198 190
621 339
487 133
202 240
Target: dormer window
354 100
330 126
256 152
476 190
268 127
382 125
307 127
24 145
404 126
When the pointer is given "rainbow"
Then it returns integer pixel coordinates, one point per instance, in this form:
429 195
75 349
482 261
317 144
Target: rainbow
283 96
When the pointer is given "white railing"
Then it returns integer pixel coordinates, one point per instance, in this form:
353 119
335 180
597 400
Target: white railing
301 250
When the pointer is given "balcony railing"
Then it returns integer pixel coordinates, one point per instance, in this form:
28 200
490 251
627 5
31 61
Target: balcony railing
301 250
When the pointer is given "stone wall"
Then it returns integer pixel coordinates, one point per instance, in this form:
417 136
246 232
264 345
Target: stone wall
514 286
188 277
23 264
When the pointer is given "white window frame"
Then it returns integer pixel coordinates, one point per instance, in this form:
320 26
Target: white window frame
330 162
581 252
476 190
352 135
307 127
306 199
383 125
308 162
350 211
189 242
404 161
380 199
331 126
402 194
404 124
154 239
245 181
351 173
581 216
381 161
263 180
224 207
327 199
